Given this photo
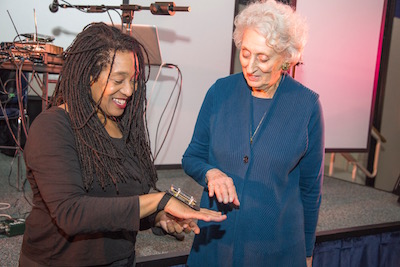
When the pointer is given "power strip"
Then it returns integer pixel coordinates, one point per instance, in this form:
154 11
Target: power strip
12 227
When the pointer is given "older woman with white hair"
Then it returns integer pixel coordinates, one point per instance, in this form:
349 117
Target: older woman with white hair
258 149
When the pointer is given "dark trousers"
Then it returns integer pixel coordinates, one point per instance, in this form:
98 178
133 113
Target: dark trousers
129 262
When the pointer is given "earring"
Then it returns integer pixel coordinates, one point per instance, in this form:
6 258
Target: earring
285 66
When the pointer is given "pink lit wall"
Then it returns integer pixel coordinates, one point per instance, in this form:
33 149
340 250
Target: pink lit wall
340 61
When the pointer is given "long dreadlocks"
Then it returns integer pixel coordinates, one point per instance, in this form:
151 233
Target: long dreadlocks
92 51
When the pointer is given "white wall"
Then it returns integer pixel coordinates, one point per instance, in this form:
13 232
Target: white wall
340 63
199 42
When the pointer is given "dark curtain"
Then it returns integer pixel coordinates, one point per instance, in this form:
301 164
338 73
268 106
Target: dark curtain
381 250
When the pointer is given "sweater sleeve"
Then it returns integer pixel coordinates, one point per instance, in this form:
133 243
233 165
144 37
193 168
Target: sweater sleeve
311 176
55 176
195 161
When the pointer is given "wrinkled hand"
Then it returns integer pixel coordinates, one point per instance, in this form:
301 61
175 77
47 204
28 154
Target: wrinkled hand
179 210
173 225
222 186
309 261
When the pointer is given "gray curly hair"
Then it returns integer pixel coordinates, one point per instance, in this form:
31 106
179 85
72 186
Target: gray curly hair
285 30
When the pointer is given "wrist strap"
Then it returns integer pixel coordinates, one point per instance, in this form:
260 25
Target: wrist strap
163 202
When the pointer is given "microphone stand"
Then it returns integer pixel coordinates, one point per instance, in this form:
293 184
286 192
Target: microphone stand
157 8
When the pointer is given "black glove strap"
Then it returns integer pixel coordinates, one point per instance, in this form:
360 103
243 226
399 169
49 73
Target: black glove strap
163 202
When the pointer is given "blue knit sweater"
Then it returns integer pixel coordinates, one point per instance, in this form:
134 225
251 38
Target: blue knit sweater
278 177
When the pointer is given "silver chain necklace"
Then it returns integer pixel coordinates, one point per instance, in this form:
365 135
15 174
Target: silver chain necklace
258 126
263 117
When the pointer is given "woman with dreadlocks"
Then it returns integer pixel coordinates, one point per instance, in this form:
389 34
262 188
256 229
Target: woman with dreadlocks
89 163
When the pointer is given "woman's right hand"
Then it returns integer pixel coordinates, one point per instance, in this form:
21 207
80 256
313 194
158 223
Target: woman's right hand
175 226
222 186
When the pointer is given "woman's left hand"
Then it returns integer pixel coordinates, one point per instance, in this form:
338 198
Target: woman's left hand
309 261
173 225
180 210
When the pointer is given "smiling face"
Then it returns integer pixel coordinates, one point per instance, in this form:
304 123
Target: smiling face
119 87
261 65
